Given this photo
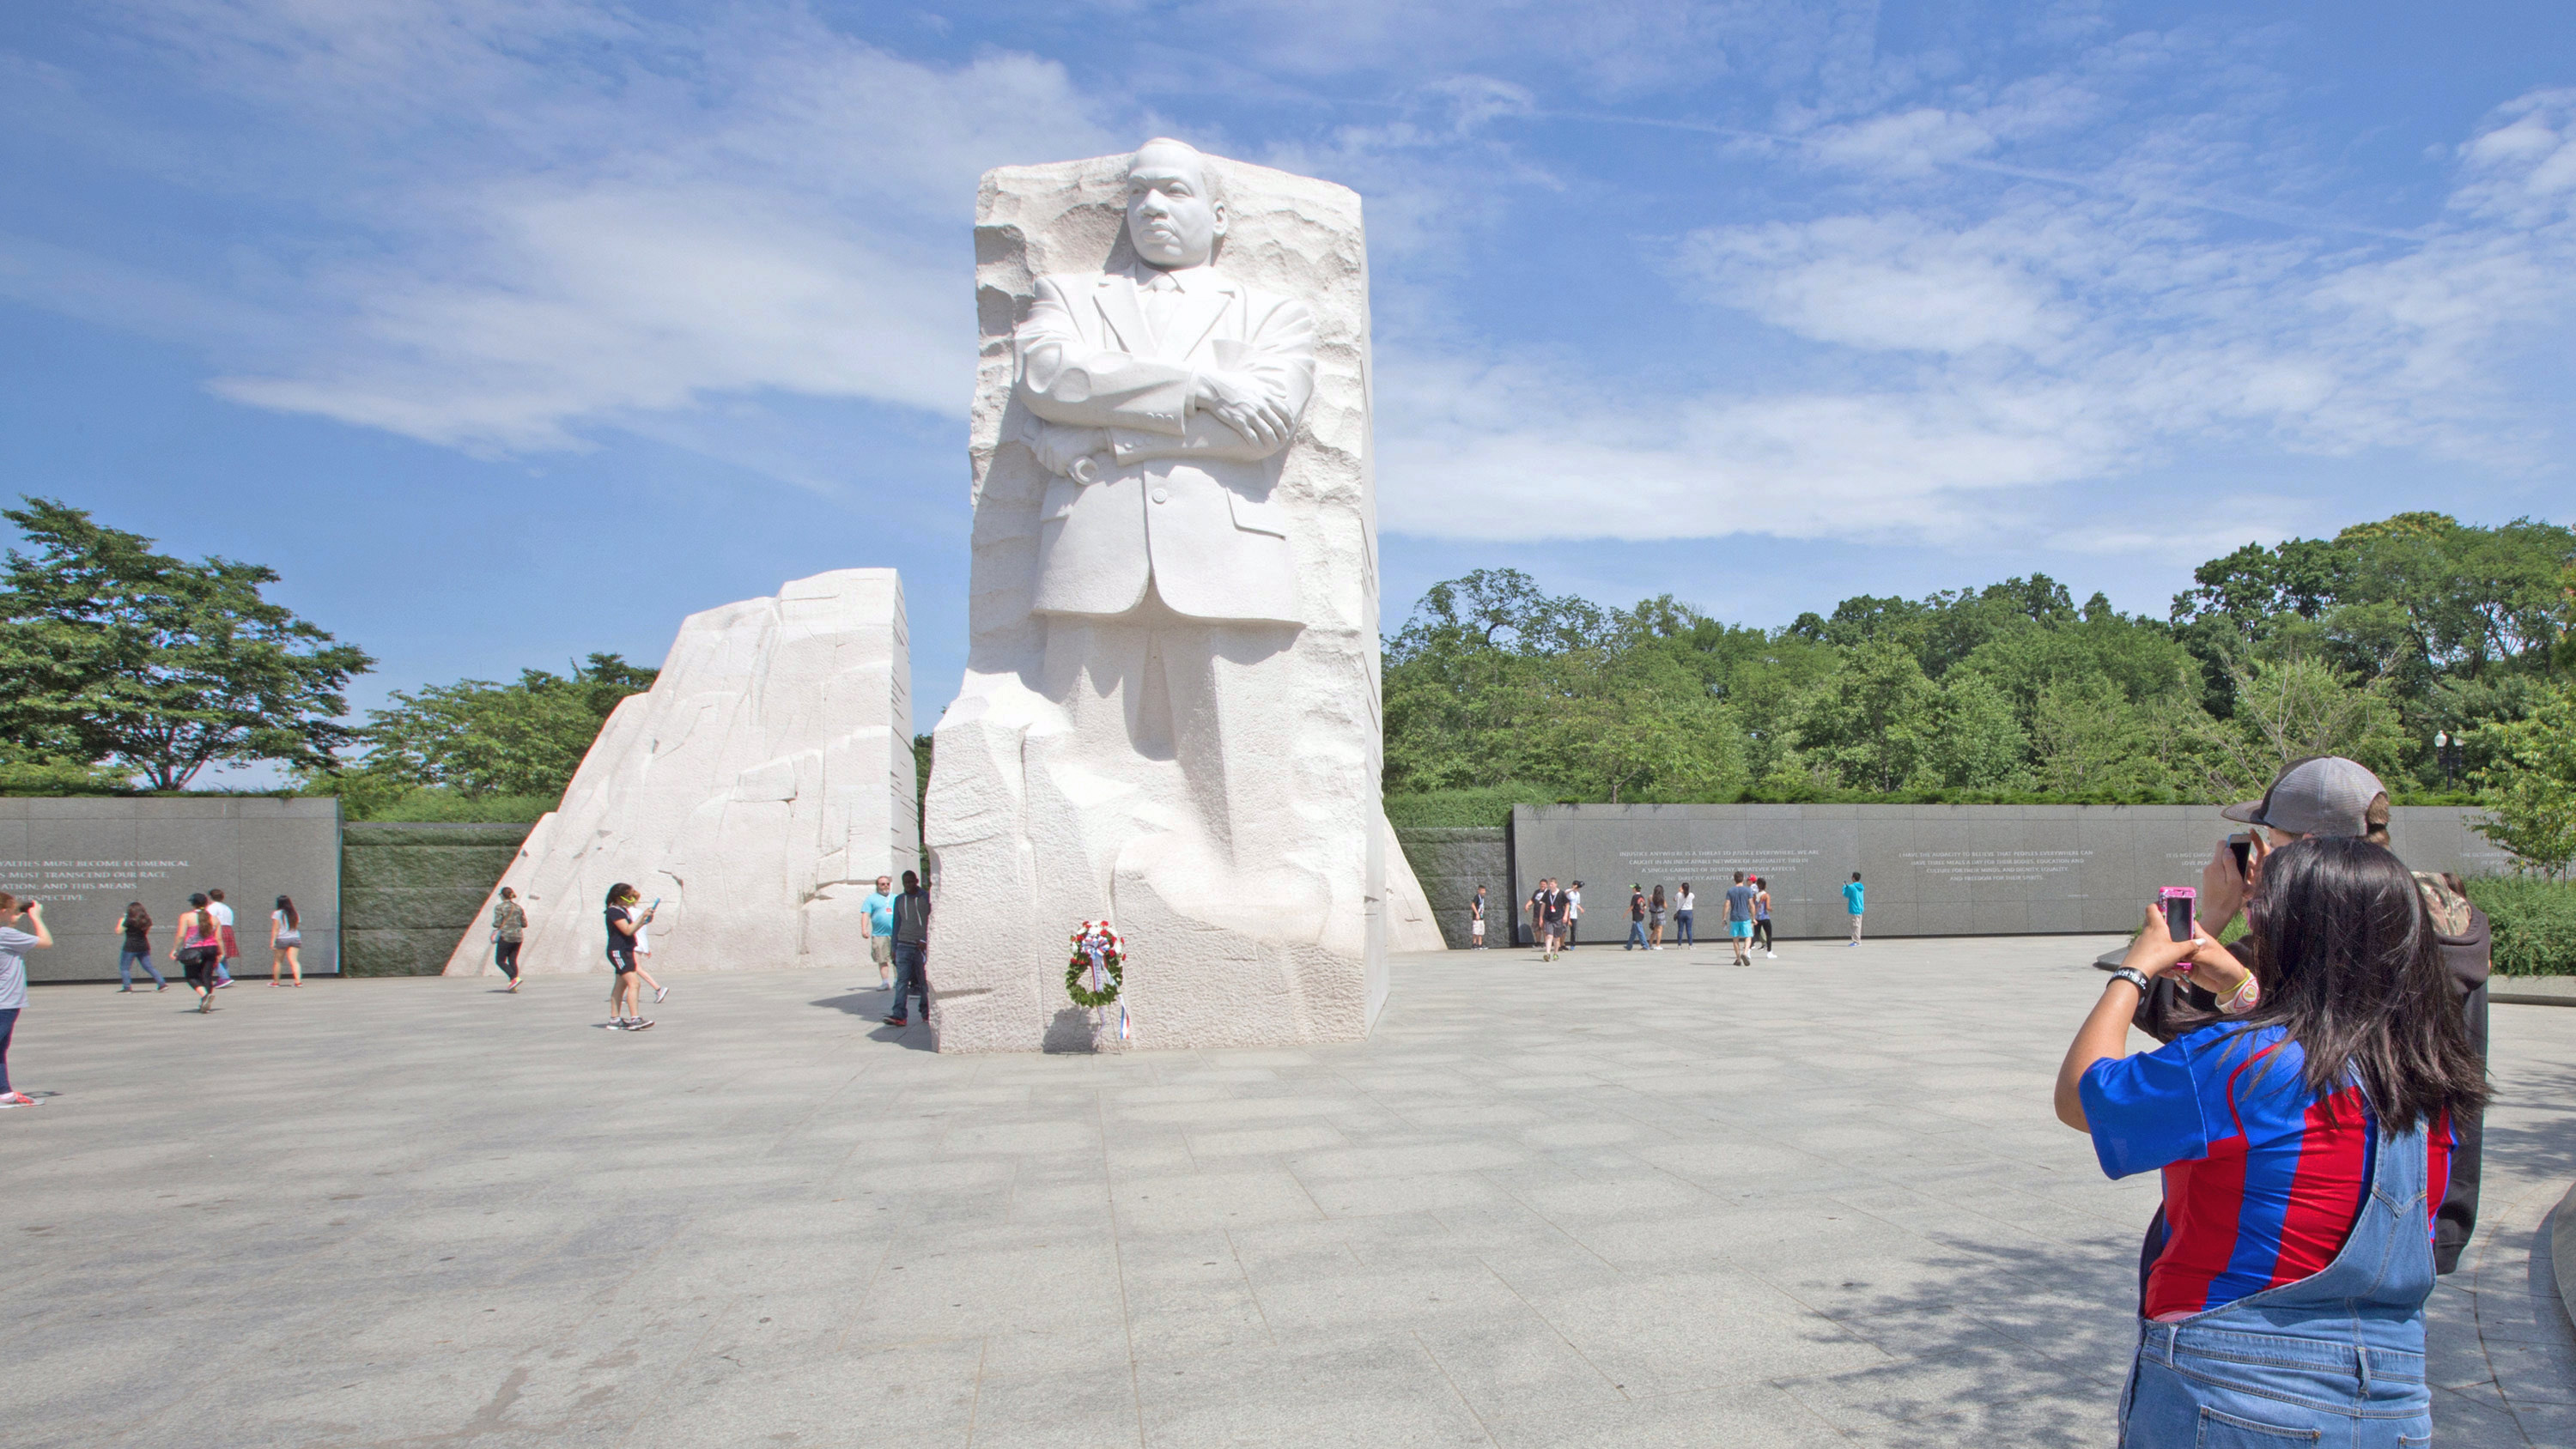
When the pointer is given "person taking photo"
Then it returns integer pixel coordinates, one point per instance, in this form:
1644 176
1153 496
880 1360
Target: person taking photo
24 932
2305 1143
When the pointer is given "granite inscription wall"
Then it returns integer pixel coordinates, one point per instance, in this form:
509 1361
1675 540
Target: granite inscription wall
85 858
1931 870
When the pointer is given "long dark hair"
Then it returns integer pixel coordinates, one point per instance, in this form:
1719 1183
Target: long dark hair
137 918
618 893
287 904
2352 970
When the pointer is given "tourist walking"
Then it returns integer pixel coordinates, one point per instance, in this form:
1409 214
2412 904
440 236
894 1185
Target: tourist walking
1655 919
1739 920
878 911
138 949
911 951
1854 904
1535 908
1573 915
225 939
198 947
15 943
2304 1143
285 942
1636 918
643 954
625 1009
509 932
1762 916
1476 920
1682 917
1552 907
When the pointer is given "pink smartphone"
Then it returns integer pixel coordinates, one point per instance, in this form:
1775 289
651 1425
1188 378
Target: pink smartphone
2179 903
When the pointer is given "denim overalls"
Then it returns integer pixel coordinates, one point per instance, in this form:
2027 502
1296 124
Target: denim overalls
2334 1360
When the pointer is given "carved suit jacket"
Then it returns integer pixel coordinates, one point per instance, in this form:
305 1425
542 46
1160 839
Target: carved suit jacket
1175 496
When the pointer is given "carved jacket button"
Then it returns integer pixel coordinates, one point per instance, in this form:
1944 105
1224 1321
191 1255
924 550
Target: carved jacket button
1162 495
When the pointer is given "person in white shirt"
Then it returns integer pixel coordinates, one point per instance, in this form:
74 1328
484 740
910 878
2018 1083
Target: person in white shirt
1682 915
223 915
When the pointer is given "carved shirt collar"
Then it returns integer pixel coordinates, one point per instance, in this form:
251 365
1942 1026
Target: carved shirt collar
1191 280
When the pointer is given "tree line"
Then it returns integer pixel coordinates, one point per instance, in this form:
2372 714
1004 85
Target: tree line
2441 654
2438 653
123 668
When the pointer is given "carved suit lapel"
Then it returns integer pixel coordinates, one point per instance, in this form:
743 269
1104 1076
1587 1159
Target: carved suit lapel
1116 295
1191 324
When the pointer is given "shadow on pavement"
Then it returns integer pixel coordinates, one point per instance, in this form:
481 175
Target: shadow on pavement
871 1003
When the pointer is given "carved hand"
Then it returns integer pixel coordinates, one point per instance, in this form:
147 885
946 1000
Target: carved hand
1241 402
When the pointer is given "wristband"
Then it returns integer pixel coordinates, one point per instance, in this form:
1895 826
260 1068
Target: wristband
2133 976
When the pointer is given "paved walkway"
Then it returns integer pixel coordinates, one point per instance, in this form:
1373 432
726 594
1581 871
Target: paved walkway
1628 1200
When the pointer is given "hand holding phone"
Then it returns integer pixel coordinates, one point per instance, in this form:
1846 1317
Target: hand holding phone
2178 903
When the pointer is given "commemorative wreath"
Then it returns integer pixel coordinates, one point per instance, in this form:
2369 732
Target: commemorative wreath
1093 976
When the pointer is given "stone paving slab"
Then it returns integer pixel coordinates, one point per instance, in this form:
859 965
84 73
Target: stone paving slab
1625 1199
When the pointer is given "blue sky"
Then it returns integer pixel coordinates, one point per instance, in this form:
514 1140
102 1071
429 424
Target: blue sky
513 329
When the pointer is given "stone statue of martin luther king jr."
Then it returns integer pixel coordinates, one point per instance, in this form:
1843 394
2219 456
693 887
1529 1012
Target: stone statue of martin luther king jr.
1163 393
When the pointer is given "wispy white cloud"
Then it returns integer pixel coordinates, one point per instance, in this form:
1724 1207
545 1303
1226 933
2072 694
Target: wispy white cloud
552 215
1976 344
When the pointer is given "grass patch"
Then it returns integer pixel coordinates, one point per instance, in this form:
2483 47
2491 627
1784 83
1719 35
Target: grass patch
2534 921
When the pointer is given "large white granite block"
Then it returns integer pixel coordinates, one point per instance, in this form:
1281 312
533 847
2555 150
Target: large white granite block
1170 714
759 789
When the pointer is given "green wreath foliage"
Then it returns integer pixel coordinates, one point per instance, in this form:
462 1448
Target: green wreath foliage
1080 969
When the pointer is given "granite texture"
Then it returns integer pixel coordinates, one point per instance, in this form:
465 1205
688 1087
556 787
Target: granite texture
84 857
757 791
1450 862
1930 870
1196 761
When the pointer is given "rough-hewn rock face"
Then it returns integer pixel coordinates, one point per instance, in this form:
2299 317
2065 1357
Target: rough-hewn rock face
758 789
1203 769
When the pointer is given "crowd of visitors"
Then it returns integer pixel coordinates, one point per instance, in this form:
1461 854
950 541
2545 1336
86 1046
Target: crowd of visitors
1553 909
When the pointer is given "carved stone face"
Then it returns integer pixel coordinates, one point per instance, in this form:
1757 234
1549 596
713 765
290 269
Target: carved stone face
1172 220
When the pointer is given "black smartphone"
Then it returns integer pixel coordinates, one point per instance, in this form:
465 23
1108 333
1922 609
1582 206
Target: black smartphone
2242 847
2178 902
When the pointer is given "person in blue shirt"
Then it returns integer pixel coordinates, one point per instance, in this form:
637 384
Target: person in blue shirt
1739 919
880 923
2305 1141
1852 903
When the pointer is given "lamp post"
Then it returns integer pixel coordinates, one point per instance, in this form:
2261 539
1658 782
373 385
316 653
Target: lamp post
2443 752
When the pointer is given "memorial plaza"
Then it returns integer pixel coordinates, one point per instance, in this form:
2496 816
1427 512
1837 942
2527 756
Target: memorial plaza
1624 1199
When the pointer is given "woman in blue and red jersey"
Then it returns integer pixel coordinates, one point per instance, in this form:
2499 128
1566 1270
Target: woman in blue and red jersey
2304 1145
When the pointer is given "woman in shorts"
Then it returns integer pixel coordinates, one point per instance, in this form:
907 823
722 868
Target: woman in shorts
2305 1142
285 942
625 1010
1762 917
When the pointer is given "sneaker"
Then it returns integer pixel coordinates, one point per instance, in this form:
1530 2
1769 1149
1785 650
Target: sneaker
17 1099
896 1021
639 1024
1774 955
660 993
164 986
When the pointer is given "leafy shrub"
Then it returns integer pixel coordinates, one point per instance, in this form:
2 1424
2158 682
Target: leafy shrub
2535 923
1479 805
450 807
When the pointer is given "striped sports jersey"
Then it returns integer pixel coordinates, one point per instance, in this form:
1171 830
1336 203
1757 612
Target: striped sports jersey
2263 1178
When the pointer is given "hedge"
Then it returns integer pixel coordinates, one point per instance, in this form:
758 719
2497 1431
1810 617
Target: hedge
2534 921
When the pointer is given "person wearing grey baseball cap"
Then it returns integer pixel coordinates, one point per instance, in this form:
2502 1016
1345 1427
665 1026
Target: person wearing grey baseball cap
2333 796
2325 795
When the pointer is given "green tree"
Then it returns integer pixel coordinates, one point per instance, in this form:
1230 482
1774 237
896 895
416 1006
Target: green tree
2533 781
480 738
114 655
1871 726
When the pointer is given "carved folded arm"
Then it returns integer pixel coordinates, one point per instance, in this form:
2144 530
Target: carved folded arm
1065 379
